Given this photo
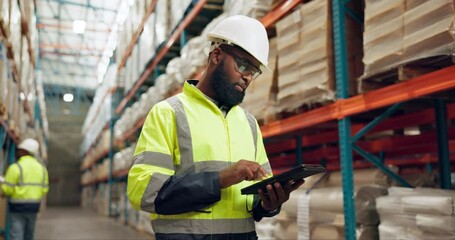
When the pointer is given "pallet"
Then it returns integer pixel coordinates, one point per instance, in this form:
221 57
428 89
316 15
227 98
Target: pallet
272 116
403 72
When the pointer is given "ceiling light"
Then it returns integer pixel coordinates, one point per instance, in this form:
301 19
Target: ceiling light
68 97
79 26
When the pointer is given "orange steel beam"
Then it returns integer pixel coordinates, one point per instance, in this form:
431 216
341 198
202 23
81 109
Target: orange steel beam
191 15
440 80
136 35
279 11
394 123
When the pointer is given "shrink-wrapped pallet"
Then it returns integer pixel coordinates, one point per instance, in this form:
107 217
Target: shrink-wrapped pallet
305 56
426 29
15 34
419 213
399 32
289 54
147 42
383 35
324 217
163 26
361 177
178 8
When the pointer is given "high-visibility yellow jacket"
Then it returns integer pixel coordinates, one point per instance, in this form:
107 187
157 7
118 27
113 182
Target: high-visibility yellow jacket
26 183
185 142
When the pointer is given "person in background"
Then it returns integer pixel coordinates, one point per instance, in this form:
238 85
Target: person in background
25 184
198 149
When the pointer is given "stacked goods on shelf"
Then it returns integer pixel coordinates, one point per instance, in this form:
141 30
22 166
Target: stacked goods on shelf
137 111
252 8
19 91
157 29
4 79
400 32
326 212
96 173
420 213
101 200
320 205
122 160
289 55
426 29
178 70
326 216
14 31
193 54
98 150
146 43
260 97
86 197
29 28
305 56
137 219
100 110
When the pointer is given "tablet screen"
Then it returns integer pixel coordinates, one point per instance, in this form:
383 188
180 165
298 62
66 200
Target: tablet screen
296 173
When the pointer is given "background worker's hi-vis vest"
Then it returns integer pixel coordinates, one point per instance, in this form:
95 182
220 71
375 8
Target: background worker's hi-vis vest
189 134
26 181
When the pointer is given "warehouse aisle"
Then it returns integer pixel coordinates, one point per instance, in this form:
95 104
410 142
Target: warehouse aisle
60 223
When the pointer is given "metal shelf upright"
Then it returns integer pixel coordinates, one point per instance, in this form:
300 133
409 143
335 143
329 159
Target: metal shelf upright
344 124
8 143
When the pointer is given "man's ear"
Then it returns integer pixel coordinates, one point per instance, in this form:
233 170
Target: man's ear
215 56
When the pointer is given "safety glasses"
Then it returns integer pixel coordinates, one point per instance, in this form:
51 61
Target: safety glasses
242 65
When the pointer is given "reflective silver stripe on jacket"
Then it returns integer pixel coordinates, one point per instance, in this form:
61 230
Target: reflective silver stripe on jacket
254 131
267 167
154 158
24 201
203 226
148 199
183 136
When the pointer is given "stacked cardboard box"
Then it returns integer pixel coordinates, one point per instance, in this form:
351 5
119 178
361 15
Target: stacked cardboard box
420 213
305 56
398 32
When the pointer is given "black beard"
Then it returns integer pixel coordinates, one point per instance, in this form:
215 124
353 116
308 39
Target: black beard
226 93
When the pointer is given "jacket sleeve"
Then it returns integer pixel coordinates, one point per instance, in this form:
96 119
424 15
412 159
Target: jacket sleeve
192 192
261 158
46 181
11 179
152 186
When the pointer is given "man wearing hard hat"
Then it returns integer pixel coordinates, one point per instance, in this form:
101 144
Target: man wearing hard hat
198 149
26 182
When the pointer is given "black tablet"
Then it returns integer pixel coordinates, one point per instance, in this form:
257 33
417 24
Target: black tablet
296 173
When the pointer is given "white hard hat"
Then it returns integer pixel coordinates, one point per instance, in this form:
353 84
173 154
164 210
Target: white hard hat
245 32
30 145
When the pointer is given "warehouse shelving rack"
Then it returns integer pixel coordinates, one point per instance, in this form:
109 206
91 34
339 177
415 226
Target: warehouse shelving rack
14 70
8 142
8 137
338 116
